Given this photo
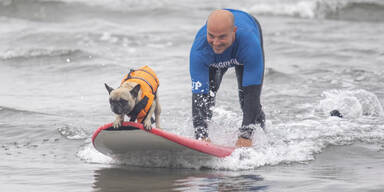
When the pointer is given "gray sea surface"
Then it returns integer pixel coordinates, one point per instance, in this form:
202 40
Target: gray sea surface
321 55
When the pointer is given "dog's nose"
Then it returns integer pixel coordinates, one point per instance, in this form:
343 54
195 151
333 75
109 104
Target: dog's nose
117 110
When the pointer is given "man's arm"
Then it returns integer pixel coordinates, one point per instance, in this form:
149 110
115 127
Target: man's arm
252 56
200 114
199 72
252 111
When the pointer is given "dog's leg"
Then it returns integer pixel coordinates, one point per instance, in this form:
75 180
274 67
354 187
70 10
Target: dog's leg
147 121
118 121
157 112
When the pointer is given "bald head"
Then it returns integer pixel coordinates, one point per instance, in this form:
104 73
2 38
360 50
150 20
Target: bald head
221 18
220 30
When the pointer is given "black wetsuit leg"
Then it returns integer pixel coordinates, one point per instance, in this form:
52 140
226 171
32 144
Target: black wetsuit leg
202 103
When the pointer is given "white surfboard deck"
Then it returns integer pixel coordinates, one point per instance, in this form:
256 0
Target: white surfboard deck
131 138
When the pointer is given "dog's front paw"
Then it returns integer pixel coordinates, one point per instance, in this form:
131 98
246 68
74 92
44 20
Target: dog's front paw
118 121
147 125
117 124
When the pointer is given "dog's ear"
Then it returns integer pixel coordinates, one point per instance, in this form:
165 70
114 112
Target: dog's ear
135 90
109 89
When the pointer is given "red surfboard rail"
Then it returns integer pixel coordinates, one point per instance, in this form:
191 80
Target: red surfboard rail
201 146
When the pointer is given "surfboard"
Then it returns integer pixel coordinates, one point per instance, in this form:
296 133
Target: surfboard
131 138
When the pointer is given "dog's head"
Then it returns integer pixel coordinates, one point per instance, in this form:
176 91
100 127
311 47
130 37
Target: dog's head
122 100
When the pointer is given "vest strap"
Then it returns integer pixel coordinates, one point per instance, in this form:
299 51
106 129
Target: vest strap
139 106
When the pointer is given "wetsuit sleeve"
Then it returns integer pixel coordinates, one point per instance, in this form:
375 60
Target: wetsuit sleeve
253 59
252 56
199 72
200 114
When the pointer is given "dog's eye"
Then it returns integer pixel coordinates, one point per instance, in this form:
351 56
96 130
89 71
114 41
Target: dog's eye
123 101
120 101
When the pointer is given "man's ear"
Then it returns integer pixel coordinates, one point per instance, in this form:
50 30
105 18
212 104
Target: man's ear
109 89
135 90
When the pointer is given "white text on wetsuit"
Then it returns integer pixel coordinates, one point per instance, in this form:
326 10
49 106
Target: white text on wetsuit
225 64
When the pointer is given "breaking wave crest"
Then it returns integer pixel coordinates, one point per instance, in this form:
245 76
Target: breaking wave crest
63 10
355 10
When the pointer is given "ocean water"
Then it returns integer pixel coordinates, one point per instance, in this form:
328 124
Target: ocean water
321 55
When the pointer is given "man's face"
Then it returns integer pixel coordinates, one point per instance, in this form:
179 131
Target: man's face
220 37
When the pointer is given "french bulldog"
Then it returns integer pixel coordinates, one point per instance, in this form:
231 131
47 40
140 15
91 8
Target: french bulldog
129 100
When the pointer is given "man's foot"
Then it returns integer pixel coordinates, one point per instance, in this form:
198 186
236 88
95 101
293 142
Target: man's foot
242 142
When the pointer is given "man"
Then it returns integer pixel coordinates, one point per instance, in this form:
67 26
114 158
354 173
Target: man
230 38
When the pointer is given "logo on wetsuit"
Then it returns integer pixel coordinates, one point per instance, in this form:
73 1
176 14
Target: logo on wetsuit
225 64
196 85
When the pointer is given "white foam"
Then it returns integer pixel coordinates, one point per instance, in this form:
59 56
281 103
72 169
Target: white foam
351 103
106 36
90 155
287 141
72 132
304 9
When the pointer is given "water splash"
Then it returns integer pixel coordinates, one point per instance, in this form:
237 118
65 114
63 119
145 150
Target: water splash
73 133
89 154
351 103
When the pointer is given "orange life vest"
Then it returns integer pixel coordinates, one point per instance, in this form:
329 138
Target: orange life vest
149 83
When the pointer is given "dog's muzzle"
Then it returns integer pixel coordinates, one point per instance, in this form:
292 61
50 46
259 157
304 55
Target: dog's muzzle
118 107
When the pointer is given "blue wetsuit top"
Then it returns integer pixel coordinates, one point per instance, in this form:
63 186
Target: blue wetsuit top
246 50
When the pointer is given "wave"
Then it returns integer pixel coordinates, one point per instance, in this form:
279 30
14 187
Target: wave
11 112
57 60
352 10
284 141
19 54
291 142
69 10
37 10
125 5
66 10
49 59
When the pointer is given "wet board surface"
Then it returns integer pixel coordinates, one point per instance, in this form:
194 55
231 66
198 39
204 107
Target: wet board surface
131 138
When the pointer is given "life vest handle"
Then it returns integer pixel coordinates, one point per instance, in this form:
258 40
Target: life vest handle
157 81
133 70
